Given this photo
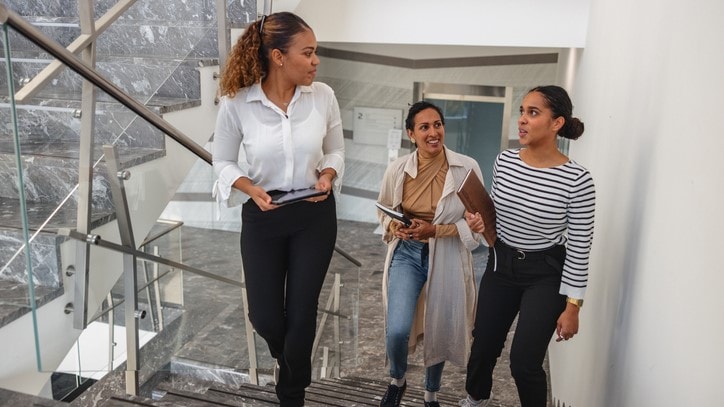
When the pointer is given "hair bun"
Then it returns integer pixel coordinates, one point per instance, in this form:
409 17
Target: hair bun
573 129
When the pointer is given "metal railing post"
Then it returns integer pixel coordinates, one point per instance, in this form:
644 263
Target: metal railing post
250 334
224 36
129 266
337 341
85 169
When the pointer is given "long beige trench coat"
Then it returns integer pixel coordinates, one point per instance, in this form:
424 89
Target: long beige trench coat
445 310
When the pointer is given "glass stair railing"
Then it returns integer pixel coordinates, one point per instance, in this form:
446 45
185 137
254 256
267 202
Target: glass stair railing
113 293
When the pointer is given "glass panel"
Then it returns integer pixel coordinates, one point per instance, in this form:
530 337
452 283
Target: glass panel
17 283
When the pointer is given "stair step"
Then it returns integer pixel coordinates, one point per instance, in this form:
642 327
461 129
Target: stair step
38 214
11 398
44 256
59 8
346 392
256 396
56 119
414 395
139 77
15 299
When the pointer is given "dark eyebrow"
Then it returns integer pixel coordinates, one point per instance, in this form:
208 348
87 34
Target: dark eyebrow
531 108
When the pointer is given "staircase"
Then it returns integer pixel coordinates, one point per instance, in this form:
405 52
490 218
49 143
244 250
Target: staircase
160 53
49 125
343 392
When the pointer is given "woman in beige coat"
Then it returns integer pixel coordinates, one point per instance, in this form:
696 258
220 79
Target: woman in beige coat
428 282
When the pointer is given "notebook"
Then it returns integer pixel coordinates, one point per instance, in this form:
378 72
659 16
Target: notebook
476 199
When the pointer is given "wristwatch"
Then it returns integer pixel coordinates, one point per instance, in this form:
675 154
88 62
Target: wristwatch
575 301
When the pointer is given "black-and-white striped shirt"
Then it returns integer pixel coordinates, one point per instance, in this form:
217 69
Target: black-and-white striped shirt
540 207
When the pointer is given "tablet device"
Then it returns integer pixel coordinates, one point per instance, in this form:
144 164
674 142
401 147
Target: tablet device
398 216
283 198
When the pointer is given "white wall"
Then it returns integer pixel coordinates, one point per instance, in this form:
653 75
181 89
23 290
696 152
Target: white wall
649 91
511 23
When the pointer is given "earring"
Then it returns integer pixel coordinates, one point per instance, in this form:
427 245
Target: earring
412 140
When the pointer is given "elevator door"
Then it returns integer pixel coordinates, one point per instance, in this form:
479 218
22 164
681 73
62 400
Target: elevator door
474 129
477 119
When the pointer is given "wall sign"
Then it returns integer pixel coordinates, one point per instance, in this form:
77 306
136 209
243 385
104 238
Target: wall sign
373 125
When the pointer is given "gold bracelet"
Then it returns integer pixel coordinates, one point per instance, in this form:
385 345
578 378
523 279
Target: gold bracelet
575 301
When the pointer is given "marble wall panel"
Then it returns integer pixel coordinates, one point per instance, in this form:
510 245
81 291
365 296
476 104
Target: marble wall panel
62 30
160 40
51 8
44 258
207 48
120 126
49 180
152 10
183 82
188 10
42 123
140 77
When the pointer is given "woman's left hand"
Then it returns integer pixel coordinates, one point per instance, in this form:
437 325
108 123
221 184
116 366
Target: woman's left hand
567 325
418 230
475 222
323 184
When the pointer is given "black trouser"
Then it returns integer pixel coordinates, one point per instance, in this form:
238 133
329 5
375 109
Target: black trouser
286 253
528 288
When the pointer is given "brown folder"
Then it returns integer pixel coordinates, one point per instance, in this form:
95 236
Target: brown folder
476 199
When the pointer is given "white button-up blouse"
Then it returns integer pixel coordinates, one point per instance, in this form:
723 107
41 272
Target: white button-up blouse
276 150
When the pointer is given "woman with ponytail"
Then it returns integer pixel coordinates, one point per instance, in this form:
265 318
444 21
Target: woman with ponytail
277 131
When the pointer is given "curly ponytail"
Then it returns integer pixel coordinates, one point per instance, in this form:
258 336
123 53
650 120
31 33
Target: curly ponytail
248 61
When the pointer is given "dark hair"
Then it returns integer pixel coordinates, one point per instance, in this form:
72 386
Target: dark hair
249 58
560 104
416 108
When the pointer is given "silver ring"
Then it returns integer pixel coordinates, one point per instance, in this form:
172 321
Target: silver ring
409 236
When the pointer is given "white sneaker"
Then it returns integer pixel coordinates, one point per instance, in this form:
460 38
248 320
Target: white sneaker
469 402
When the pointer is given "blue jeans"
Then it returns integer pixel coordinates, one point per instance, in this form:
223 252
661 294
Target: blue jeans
406 277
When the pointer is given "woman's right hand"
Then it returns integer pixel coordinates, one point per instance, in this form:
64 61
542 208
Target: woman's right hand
262 199
475 222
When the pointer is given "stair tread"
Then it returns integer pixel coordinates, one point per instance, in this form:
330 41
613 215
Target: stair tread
239 397
347 392
15 299
414 394
38 212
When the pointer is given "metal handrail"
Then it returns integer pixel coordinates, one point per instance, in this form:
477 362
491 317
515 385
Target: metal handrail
26 29
98 241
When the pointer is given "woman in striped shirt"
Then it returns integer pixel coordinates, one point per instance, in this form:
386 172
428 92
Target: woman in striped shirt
538 267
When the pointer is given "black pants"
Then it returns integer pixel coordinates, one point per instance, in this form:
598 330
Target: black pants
286 253
529 289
